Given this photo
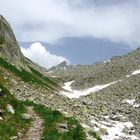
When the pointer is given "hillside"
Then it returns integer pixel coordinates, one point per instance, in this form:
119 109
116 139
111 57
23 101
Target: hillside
86 76
106 95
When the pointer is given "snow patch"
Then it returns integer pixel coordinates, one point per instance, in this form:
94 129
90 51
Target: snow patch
106 61
70 93
136 72
114 129
131 102
128 76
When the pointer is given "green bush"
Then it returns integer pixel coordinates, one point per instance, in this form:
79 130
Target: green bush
2 40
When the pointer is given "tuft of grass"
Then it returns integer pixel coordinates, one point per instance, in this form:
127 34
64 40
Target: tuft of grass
95 135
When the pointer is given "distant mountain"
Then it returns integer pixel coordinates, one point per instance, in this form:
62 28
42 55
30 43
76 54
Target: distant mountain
103 72
62 66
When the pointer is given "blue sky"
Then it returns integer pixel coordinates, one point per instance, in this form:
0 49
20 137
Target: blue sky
64 22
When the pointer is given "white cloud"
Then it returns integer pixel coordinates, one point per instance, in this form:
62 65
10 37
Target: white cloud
38 54
50 20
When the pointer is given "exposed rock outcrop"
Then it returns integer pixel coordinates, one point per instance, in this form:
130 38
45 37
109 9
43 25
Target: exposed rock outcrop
9 49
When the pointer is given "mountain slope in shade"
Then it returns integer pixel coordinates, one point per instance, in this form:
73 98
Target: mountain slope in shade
9 49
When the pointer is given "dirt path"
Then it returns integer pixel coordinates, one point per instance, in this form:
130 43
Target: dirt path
36 126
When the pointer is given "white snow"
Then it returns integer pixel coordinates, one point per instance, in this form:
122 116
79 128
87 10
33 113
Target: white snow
128 75
136 105
70 93
136 72
131 102
114 129
106 61
67 86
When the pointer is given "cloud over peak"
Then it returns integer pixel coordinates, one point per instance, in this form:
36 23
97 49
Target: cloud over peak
38 54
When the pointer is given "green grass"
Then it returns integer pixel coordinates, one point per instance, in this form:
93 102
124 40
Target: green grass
11 123
52 118
34 77
2 40
42 77
95 135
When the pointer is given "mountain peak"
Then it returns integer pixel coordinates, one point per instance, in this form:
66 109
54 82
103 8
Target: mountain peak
62 66
64 63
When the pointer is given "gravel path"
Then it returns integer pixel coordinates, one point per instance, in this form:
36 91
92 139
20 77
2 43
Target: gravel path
36 126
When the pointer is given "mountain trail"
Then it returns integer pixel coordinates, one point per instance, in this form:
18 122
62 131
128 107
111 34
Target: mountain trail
36 127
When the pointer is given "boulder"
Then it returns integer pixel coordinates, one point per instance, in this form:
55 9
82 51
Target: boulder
26 116
62 127
87 102
10 109
103 131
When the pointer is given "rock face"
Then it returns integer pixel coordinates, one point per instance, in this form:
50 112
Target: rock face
62 127
9 49
10 109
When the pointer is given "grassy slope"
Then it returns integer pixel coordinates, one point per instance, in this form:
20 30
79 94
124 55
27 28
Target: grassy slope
52 118
33 77
12 123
